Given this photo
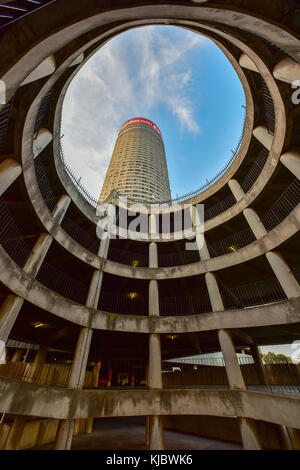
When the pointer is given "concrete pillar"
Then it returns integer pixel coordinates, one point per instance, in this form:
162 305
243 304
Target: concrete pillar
17 355
236 189
65 431
15 433
147 431
9 172
259 364
40 142
45 68
96 373
78 369
64 436
234 374
255 223
247 63
156 432
153 256
89 426
61 208
294 435
284 275
8 315
285 438
202 247
95 289
155 376
38 254
250 215
154 226
78 60
153 298
292 161
104 246
214 293
287 70
35 369
262 134
249 434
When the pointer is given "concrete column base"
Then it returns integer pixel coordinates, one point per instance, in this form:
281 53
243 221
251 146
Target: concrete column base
294 435
8 315
157 441
89 426
283 273
286 442
147 431
15 434
64 435
233 370
155 377
214 293
249 434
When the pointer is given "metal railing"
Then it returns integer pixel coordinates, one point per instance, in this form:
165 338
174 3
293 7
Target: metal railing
219 207
43 112
119 373
62 283
80 235
231 243
75 179
17 9
45 184
249 295
128 257
277 48
255 293
130 304
275 377
210 373
268 106
185 304
12 238
284 205
54 370
4 119
195 373
178 259
255 170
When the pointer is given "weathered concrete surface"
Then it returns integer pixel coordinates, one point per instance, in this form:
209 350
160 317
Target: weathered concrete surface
286 312
33 400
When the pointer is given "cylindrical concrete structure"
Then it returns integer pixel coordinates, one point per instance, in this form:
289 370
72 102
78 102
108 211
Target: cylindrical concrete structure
138 166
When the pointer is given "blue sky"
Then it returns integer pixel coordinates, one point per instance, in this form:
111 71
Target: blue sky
176 78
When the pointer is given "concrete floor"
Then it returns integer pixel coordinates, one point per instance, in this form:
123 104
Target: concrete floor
129 434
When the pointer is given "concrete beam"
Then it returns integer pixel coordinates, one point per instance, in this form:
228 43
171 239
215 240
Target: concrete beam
9 172
43 138
247 63
45 68
60 403
287 70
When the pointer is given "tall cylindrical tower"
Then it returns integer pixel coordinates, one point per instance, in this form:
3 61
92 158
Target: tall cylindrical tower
138 166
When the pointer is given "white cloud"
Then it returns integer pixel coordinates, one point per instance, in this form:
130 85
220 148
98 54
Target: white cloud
128 77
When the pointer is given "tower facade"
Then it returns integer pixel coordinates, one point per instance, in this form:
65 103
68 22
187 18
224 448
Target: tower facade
138 166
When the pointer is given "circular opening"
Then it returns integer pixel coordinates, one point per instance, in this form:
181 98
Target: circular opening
179 80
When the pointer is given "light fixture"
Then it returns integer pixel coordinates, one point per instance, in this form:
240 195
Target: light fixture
135 263
132 295
232 248
172 337
39 324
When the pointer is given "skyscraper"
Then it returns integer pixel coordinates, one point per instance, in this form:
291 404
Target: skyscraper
138 167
